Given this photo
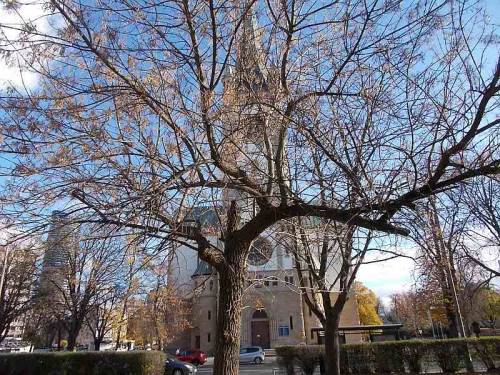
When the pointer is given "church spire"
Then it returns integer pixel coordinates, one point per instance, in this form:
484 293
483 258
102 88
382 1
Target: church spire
250 61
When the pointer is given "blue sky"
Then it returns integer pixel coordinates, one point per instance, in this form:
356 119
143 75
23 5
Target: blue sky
384 278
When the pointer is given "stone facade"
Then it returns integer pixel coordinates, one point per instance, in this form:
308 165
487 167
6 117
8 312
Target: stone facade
274 313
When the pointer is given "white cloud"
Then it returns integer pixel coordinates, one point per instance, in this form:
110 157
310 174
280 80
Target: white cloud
15 73
390 276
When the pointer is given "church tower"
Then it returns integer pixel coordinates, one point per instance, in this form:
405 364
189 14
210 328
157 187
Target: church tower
250 88
274 312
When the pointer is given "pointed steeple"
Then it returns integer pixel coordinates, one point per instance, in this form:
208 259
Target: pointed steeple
250 64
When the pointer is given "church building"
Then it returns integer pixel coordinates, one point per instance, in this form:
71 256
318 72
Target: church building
274 311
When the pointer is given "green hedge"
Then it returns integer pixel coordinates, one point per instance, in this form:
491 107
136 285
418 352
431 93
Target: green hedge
397 357
83 363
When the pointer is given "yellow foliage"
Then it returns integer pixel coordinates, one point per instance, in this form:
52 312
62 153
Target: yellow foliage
367 305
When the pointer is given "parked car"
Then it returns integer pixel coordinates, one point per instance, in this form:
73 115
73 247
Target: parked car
253 354
175 367
194 356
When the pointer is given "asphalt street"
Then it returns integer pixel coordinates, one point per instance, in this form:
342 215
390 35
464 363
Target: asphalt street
268 367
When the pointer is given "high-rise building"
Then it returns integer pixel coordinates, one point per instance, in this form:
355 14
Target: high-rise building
60 242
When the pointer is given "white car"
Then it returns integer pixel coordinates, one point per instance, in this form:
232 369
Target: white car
253 354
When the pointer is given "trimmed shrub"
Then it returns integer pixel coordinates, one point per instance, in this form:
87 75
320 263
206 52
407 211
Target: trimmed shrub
486 349
413 355
308 358
389 358
396 356
285 357
344 361
451 355
360 358
83 363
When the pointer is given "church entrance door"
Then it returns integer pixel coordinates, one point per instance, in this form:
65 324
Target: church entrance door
260 329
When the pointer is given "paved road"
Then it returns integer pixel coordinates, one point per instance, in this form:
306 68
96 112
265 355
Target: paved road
268 367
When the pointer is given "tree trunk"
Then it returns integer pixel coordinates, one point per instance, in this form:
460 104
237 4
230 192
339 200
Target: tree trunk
227 348
450 310
71 341
122 317
331 326
74 330
97 344
59 336
332 342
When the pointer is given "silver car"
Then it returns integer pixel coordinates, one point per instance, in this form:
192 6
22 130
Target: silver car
175 367
253 354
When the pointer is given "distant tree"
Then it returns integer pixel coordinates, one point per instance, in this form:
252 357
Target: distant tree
94 263
367 305
490 307
450 257
18 270
482 198
415 309
132 285
159 318
438 231
103 316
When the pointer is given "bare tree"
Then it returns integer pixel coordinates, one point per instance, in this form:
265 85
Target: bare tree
450 256
482 199
438 241
159 318
327 258
103 316
143 111
88 268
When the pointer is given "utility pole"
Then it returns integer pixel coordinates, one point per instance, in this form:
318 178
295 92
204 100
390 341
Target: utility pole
4 268
450 276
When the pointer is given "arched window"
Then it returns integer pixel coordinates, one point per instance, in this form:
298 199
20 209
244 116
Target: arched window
259 314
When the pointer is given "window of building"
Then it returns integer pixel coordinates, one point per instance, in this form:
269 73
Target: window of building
211 284
291 322
283 330
310 312
290 280
312 334
266 282
197 342
275 281
208 337
209 314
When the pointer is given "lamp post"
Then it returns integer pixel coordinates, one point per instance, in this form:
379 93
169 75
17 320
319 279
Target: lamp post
432 323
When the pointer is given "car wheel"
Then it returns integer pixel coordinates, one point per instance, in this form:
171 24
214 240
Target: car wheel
177 372
257 360
196 363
